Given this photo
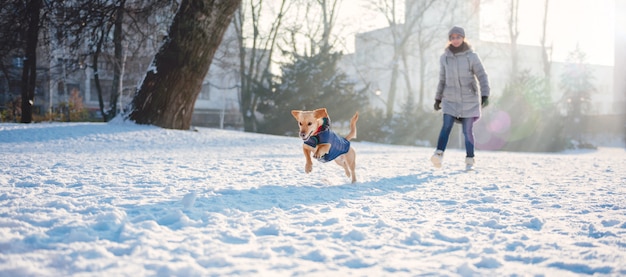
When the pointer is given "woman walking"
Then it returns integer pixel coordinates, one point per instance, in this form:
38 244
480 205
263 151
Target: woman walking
457 93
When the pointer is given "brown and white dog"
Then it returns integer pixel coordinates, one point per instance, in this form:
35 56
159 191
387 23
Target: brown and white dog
324 144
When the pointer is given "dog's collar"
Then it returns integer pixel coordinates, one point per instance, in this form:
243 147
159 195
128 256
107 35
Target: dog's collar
325 126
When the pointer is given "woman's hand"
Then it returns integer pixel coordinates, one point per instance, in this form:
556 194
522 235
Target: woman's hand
484 101
437 105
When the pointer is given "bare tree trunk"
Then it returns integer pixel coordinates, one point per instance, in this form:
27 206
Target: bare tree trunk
514 34
96 75
29 74
402 34
117 41
391 96
6 76
329 14
425 38
255 60
248 75
544 53
407 78
246 94
169 90
428 34
422 75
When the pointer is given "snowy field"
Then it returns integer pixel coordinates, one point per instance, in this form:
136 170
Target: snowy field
117 199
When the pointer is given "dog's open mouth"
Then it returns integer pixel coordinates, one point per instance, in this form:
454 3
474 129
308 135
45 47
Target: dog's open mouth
305 136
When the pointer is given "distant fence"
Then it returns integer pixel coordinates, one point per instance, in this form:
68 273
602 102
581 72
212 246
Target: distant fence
217 119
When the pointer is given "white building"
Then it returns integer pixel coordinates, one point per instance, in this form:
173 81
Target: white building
217 104
619 84
371 62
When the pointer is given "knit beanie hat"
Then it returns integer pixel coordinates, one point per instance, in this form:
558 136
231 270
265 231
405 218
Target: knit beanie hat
456 30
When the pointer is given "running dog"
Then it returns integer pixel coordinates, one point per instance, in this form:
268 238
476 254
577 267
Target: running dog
324 144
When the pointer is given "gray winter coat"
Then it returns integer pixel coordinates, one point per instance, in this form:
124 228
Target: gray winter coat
457 87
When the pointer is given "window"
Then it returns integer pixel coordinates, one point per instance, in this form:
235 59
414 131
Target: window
18 62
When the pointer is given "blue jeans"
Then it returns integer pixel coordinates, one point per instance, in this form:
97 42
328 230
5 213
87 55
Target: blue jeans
468 132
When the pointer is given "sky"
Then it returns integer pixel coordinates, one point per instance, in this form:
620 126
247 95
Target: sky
119 199
588 23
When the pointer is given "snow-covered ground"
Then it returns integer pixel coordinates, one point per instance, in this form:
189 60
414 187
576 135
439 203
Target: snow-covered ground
118 199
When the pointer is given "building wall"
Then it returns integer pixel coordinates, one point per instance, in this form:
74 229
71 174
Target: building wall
219 95
620 58
59 72
374 50
373 54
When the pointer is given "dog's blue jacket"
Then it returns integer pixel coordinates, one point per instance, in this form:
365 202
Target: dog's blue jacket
338 145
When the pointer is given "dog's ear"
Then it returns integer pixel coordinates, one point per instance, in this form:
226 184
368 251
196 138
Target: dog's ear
296 114
320 113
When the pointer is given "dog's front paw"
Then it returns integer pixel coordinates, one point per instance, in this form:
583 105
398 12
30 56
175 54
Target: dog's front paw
319 154
308 167
321 150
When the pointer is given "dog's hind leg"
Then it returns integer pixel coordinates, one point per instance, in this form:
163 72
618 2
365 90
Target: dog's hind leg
352 165
341 161
349 164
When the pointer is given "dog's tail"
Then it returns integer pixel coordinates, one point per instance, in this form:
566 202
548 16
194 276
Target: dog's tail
352 133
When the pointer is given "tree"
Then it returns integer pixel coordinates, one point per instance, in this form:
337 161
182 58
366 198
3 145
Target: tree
534 125
308 83
422 123
546 52
513 35
373 126
170 88
29 73
74 109
399 37
11 35
329 17
409 113
115 31
425 36
313 23
576 82
577 86
415 36
132 26
255 56
40 27
95 27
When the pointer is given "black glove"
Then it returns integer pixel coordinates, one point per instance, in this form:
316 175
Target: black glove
484 101
437 105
